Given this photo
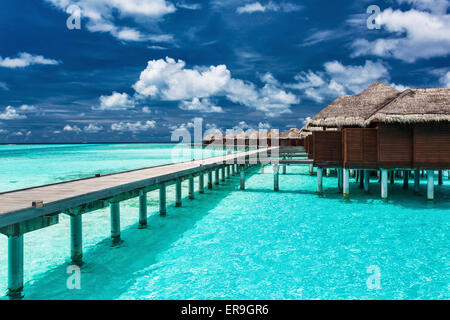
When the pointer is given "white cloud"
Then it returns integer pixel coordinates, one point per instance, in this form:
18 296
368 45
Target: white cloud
24 59
416 34
104 15
170 80
189 6
74 128
435 6
270 6
27 108
445 80
11 113
92 128
133 127
201 105
338 79
146 110
116 101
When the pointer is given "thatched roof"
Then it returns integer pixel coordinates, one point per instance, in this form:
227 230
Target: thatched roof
292 133
355 110
416 105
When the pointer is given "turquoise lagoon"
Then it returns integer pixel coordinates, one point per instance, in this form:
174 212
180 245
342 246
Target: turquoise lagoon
233 244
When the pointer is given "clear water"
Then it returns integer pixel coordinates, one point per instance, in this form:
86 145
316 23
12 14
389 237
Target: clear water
233 244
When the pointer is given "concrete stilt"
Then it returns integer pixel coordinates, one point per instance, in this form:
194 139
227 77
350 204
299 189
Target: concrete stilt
384 184
142 209
339 171
366 180
392 175
222 178
216 176
262 169
178 194
15 266
162 200
311 170
328 172
440 180
319 180
242 173
346 183
201 183
233 169
76 239
276 185
115 222
352 173
191 187
284 169
361 178
416 181
430 184
228 172
405 179
210 180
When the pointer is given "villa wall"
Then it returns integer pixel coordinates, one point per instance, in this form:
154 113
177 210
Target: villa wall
360 148
327 149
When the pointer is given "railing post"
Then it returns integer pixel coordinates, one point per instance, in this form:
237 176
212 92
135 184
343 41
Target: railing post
115 222
15 266
76 239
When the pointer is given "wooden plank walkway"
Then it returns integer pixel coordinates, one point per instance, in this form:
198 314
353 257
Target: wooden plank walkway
16 206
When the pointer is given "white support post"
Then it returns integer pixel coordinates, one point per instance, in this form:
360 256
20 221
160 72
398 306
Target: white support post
276 185
328 172
15 266
228 171
262 169
311 170
384 184
319 180
191 187
115 222
284 168
142 209
233 169
210 180
346 183
242 173
162 200
222 177
430 184
201 183
366 180
178 193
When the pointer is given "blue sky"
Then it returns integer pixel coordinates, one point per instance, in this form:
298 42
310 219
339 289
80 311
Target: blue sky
138 69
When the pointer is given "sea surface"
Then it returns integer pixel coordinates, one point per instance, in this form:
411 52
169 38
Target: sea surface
229 243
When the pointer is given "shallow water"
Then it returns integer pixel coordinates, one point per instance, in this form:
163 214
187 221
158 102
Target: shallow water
233 244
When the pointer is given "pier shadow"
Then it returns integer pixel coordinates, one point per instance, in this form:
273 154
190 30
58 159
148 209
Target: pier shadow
108 272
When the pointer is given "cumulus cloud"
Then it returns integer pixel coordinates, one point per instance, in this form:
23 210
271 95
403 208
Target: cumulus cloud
270 6
10 113
27 108
415 34
104 15
338 79
74 128
92 128
25 59
445 80
133 127
170 80
202 105
116 101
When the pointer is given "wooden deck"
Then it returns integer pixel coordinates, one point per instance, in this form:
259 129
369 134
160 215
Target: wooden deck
16 206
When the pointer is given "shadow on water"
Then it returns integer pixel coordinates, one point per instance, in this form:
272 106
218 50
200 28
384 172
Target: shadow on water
397 195
109 271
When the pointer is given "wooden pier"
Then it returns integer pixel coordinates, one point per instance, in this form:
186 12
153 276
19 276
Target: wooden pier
26 210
